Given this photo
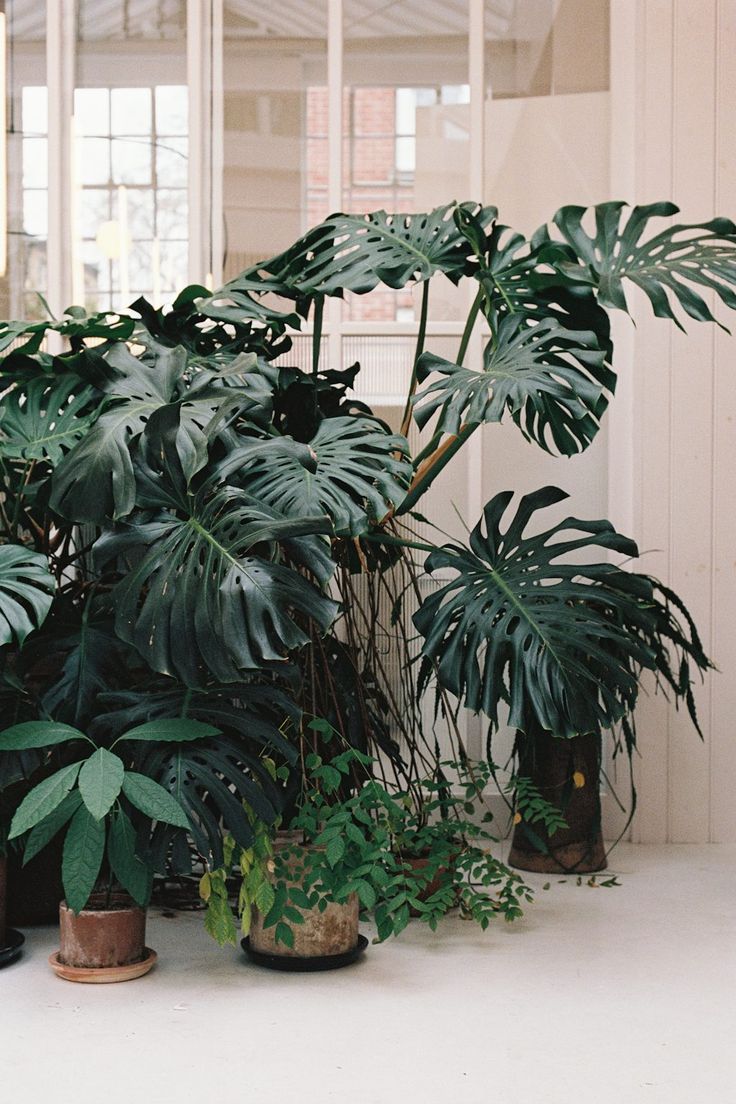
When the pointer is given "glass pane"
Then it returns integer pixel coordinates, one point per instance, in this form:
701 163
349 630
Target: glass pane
275 172
407 117
130 110
27 198
171 109
132 71
92 111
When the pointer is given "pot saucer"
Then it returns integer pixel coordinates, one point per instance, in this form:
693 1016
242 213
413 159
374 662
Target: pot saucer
101 975
14 940
299 964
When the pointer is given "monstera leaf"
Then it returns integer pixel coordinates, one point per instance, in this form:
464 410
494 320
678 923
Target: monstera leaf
44 418
96 479
206 596
351 470
563 644
358 252
26 592
550 379
667 267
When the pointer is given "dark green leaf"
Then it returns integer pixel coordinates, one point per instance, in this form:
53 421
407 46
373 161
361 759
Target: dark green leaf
37 734
171 730
153 800
132 873
100 781
50 825
84 848
26 592
43 799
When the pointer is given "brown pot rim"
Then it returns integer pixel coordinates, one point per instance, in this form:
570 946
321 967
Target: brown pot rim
129 906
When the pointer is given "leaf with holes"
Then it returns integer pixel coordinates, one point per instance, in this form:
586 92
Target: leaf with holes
26 592
358 252
208 595
668 267
352 470
551 380
562 642
43 419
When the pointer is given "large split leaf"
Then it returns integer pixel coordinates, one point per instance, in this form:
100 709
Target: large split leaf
551 380
358 252
26 592
668 267
205 598
44 418
563 643
96 479
352 470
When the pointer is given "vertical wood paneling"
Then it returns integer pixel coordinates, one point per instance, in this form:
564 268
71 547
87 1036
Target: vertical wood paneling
652 406
685 417
721 737
691 441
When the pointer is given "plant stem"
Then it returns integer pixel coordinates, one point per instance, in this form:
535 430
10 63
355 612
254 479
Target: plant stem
432 466
406 419
319 304
470 323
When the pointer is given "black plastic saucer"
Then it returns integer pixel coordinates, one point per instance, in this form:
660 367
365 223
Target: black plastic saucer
14 940
301 965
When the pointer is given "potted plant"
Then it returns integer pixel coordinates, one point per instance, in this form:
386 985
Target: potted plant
348 852
106 806
222 494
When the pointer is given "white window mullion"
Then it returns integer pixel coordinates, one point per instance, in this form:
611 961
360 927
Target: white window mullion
334 154
201 167
60 66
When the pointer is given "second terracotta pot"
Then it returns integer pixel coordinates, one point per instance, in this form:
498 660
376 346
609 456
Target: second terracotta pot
101 937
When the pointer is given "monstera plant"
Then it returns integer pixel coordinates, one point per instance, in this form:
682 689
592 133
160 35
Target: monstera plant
205 506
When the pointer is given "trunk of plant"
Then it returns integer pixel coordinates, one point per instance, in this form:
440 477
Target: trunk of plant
567 774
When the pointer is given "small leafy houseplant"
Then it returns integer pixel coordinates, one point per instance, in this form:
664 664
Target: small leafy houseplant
345 855
107 809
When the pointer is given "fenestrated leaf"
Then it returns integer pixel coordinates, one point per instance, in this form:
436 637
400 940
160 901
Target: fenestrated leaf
357 252
667 267
132 873
43 799
26 591
200 600
153 800
96 479
352 470
84 848
552 380
171 730
37 734
45 417
39 836
93 654
100 781
563 643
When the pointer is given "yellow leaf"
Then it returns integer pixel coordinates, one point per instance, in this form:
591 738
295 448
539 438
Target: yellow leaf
578 780
517 818
205 887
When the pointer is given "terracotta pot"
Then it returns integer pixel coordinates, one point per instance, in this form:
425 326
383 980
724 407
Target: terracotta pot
567 774
3 896
99 937
332 932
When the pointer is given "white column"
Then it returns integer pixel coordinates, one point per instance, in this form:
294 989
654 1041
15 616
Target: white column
60 59
333 317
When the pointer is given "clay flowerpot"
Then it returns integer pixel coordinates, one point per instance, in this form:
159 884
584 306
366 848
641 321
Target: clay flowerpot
104 942
322 935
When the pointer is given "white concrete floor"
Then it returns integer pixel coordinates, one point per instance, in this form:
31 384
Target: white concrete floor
599 995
